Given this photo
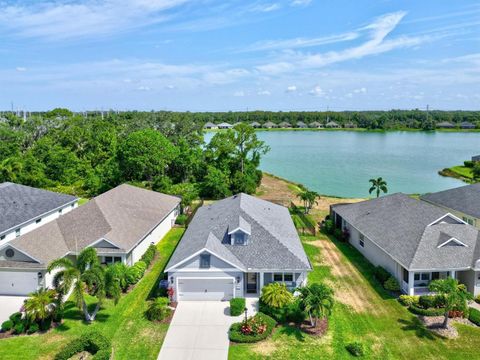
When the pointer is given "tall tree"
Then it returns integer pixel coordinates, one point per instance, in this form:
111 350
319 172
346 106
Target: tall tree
378 185
309 199
317 300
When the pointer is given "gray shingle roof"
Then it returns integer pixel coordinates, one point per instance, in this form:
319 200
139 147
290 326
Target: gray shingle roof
273 244
402 227
123 216
465 199
20 204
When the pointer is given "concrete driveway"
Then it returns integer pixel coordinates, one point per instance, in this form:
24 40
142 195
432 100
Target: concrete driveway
9 305
199 330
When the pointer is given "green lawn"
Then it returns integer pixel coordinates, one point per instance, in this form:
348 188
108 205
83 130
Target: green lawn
133 336
386 328
464 171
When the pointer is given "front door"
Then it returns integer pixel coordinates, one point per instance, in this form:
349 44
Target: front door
251 283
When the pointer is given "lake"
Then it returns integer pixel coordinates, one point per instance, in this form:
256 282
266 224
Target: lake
340 163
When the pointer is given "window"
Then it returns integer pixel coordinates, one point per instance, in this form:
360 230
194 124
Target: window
435 275
2 237
38 221
9 253
362 240
117 259
417 277
17 232
108 259
425 276
60 211
405 275
72 206
204 261
288 277
239 238
278 277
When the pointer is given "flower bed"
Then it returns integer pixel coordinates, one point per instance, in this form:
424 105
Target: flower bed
256 328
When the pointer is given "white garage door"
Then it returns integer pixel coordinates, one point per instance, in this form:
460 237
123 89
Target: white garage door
205 289
18 283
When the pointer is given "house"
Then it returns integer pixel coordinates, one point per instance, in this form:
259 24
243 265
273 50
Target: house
301 125
225 125
467 125
445 125
210 126
24 208
120 224
350 125
476 158
269 125
332 124
415 241
315 125
255 125
284 125
235 246
463 202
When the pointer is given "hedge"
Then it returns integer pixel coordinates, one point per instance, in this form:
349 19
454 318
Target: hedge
407 300
474 316
7 325
149 255
381 274
237 306
236 335
181 219
16 318
93 342
289 313
426 312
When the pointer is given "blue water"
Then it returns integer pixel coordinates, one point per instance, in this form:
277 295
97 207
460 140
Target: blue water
340 163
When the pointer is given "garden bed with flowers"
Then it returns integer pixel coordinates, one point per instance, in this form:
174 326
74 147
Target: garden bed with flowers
254 329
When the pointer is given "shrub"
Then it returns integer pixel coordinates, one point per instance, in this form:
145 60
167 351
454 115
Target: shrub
338 233
474 316
294 313
426 312
93 342
181 219
381 274
45 324
407 300
16 318
426 301
7 325
149 255
237 306
19 328
262 327
33 328
477 299
289 313
328 226
468 163
391 284
158 309
355 348
136 272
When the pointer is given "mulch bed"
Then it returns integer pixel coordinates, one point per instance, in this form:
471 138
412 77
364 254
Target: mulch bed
319 330
434 323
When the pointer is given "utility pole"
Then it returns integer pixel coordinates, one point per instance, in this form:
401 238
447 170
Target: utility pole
428 107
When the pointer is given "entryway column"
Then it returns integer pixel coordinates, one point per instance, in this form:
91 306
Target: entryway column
411 283
260 274
452 274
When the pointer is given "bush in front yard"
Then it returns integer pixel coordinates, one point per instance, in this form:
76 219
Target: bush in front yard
158 309
237 306
328 226
181 219
477 299
19 328
391 284
257 328
289 313
93 342
426 312
33 328
381 274
16 318
407 300
474 316
7 325
355 348
149 255
426 301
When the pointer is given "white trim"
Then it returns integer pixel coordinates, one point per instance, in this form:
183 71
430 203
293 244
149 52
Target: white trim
205 270
440 270
447 215
239 228
103 239
450 240
234 281
198 253
21 251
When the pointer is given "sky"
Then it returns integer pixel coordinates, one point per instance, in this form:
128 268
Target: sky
208 55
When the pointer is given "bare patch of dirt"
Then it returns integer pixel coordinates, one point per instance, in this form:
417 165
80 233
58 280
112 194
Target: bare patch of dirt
265 348
318 330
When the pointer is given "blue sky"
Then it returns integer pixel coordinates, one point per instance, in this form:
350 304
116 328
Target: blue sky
206 55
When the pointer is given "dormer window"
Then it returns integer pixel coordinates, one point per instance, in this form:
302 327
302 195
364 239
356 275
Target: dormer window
239 238
205 261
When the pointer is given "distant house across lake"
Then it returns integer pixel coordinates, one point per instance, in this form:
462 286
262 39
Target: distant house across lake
332 125
269 125
467 125
476 158
301 125
255 125
445 125
225 125
350 125
210 125
315 125
284 125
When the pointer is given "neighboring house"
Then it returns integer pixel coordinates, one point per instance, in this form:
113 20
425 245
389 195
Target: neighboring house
24 208
301 125
415 241
210 126
315 125
476 158
235 246
332 124
255 125
445 125
120 224
225 125
284 125
269 125
467 125
350 125
463 202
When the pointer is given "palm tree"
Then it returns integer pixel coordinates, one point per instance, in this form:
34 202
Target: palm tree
309 199
9 169
456 295
317 300
378 185
41 305
85 275
276 295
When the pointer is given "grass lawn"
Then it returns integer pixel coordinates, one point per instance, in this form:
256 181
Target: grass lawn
133 336
463 171
363 312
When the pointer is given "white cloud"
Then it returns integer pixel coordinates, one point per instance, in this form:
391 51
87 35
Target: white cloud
291 88
264 93
265 8
21 69
317 91
239 93
300 2
362 90
144 88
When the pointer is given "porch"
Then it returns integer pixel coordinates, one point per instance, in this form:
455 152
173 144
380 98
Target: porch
255 281
417 283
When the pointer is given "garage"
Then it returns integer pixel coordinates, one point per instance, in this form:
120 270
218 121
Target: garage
18 283
205 289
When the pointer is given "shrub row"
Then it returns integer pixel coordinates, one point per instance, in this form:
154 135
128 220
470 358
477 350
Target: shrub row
237 306
20 325
136 272
149 255
426 312
432 301
236 335
386 279
289 313
474 316
407 300
93 342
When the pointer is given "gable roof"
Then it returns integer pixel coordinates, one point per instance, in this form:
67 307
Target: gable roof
122 216
273 244
410 230
465 199
20 204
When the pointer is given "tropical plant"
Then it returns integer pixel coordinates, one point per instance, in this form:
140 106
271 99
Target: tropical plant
309 199
317 300
276 295
158 309
378 185
41 305
85 276
455 294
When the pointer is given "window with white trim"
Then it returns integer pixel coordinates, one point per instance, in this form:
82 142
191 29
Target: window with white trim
204 261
